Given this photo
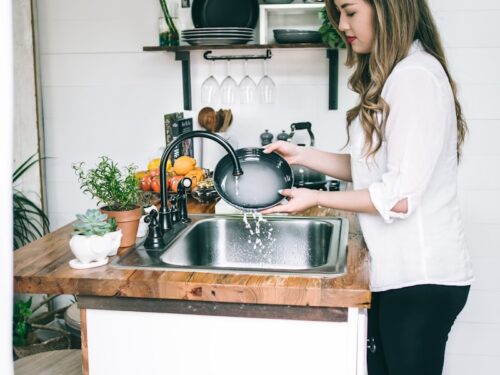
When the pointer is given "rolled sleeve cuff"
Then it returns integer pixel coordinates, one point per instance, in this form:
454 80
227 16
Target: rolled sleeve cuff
384 202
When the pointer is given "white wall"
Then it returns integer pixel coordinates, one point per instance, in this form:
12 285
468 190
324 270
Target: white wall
472 40
103 95
6 150
25 110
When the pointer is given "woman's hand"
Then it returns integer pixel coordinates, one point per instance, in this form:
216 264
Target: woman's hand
298 200
289 151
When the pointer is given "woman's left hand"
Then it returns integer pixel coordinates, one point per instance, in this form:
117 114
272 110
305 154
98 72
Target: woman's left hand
298 200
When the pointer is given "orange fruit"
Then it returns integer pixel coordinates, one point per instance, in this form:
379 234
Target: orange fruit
196 175
184 164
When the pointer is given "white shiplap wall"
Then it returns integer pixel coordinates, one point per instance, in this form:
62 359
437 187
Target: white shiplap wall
103 95
472 40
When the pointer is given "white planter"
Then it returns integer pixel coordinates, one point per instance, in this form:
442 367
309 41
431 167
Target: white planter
95 248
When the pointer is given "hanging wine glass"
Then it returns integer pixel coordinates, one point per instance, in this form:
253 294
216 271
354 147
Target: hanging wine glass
247 88
210 89
266 87
229 87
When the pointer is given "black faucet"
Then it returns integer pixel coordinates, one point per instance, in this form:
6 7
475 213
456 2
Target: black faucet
165 212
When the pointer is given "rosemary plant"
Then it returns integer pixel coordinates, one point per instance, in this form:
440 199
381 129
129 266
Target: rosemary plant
116 189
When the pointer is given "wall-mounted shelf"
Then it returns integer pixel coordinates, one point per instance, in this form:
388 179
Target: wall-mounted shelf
182 53
286 11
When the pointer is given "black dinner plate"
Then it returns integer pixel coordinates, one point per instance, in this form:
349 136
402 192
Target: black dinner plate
225 13
257 188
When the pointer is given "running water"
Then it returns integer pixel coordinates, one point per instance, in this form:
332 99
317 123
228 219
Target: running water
261 234
237 185
256 187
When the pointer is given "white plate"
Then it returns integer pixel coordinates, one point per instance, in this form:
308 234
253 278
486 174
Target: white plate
75 263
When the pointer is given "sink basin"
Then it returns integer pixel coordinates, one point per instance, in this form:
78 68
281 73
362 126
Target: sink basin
229 244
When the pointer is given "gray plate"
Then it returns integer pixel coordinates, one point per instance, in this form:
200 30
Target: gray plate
216 41
277 1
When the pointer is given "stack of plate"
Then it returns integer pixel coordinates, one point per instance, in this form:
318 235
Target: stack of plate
217 35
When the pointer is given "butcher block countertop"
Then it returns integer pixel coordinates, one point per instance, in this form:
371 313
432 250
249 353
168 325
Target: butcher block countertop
42 267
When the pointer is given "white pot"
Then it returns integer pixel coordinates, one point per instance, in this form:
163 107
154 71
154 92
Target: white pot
95 248
116 237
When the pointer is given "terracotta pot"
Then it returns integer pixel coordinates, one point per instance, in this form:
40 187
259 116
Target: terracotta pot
128 222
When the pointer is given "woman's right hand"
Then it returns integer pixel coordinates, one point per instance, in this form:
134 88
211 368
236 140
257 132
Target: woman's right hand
289 151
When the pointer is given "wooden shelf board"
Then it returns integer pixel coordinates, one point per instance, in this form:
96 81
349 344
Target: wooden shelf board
233 46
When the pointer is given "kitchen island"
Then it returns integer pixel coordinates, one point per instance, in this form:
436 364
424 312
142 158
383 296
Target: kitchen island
155 321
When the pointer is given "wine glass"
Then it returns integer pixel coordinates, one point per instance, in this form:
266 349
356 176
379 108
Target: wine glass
210 89
247 87
229 87
266 88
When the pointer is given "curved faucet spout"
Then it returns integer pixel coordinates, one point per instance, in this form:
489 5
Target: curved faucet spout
165 217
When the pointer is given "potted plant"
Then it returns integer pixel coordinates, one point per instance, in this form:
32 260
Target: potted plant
329 35
30 221
94 239
117 190
25 339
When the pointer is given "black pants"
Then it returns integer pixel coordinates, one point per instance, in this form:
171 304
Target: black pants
408 328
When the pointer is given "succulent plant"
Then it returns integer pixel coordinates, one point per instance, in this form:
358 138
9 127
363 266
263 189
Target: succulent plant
93 222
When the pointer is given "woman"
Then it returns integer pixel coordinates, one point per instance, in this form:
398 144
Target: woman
405 136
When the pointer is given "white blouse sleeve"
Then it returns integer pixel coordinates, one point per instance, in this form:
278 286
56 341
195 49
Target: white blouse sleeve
415 135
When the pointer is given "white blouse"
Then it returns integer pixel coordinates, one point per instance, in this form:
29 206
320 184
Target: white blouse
417 161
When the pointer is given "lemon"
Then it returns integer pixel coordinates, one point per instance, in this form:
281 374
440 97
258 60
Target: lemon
184 164
154 163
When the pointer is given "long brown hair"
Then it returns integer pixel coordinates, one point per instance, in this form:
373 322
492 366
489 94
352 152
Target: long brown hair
397 23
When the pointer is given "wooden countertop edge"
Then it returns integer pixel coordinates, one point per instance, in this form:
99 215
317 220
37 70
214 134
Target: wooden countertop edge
48 272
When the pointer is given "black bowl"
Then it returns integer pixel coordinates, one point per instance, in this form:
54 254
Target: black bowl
257 189
205 195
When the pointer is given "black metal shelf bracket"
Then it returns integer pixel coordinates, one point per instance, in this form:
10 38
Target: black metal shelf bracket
207 56
333 78
184 57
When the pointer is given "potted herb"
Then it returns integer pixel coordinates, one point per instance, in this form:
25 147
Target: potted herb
117 190
94 239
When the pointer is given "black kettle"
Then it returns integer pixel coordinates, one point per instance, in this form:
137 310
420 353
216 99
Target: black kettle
302 176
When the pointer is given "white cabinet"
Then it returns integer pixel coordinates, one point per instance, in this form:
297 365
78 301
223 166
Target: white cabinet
124 342
303 16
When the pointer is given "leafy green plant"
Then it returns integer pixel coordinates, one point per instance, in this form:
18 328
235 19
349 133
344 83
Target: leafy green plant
117 190
93 223
22 312
25 322
174 34
329 35
30 222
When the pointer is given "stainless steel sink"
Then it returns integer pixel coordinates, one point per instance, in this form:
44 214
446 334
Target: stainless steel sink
279 245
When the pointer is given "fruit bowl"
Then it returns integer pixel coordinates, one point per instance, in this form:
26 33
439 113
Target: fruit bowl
205 195
205 192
